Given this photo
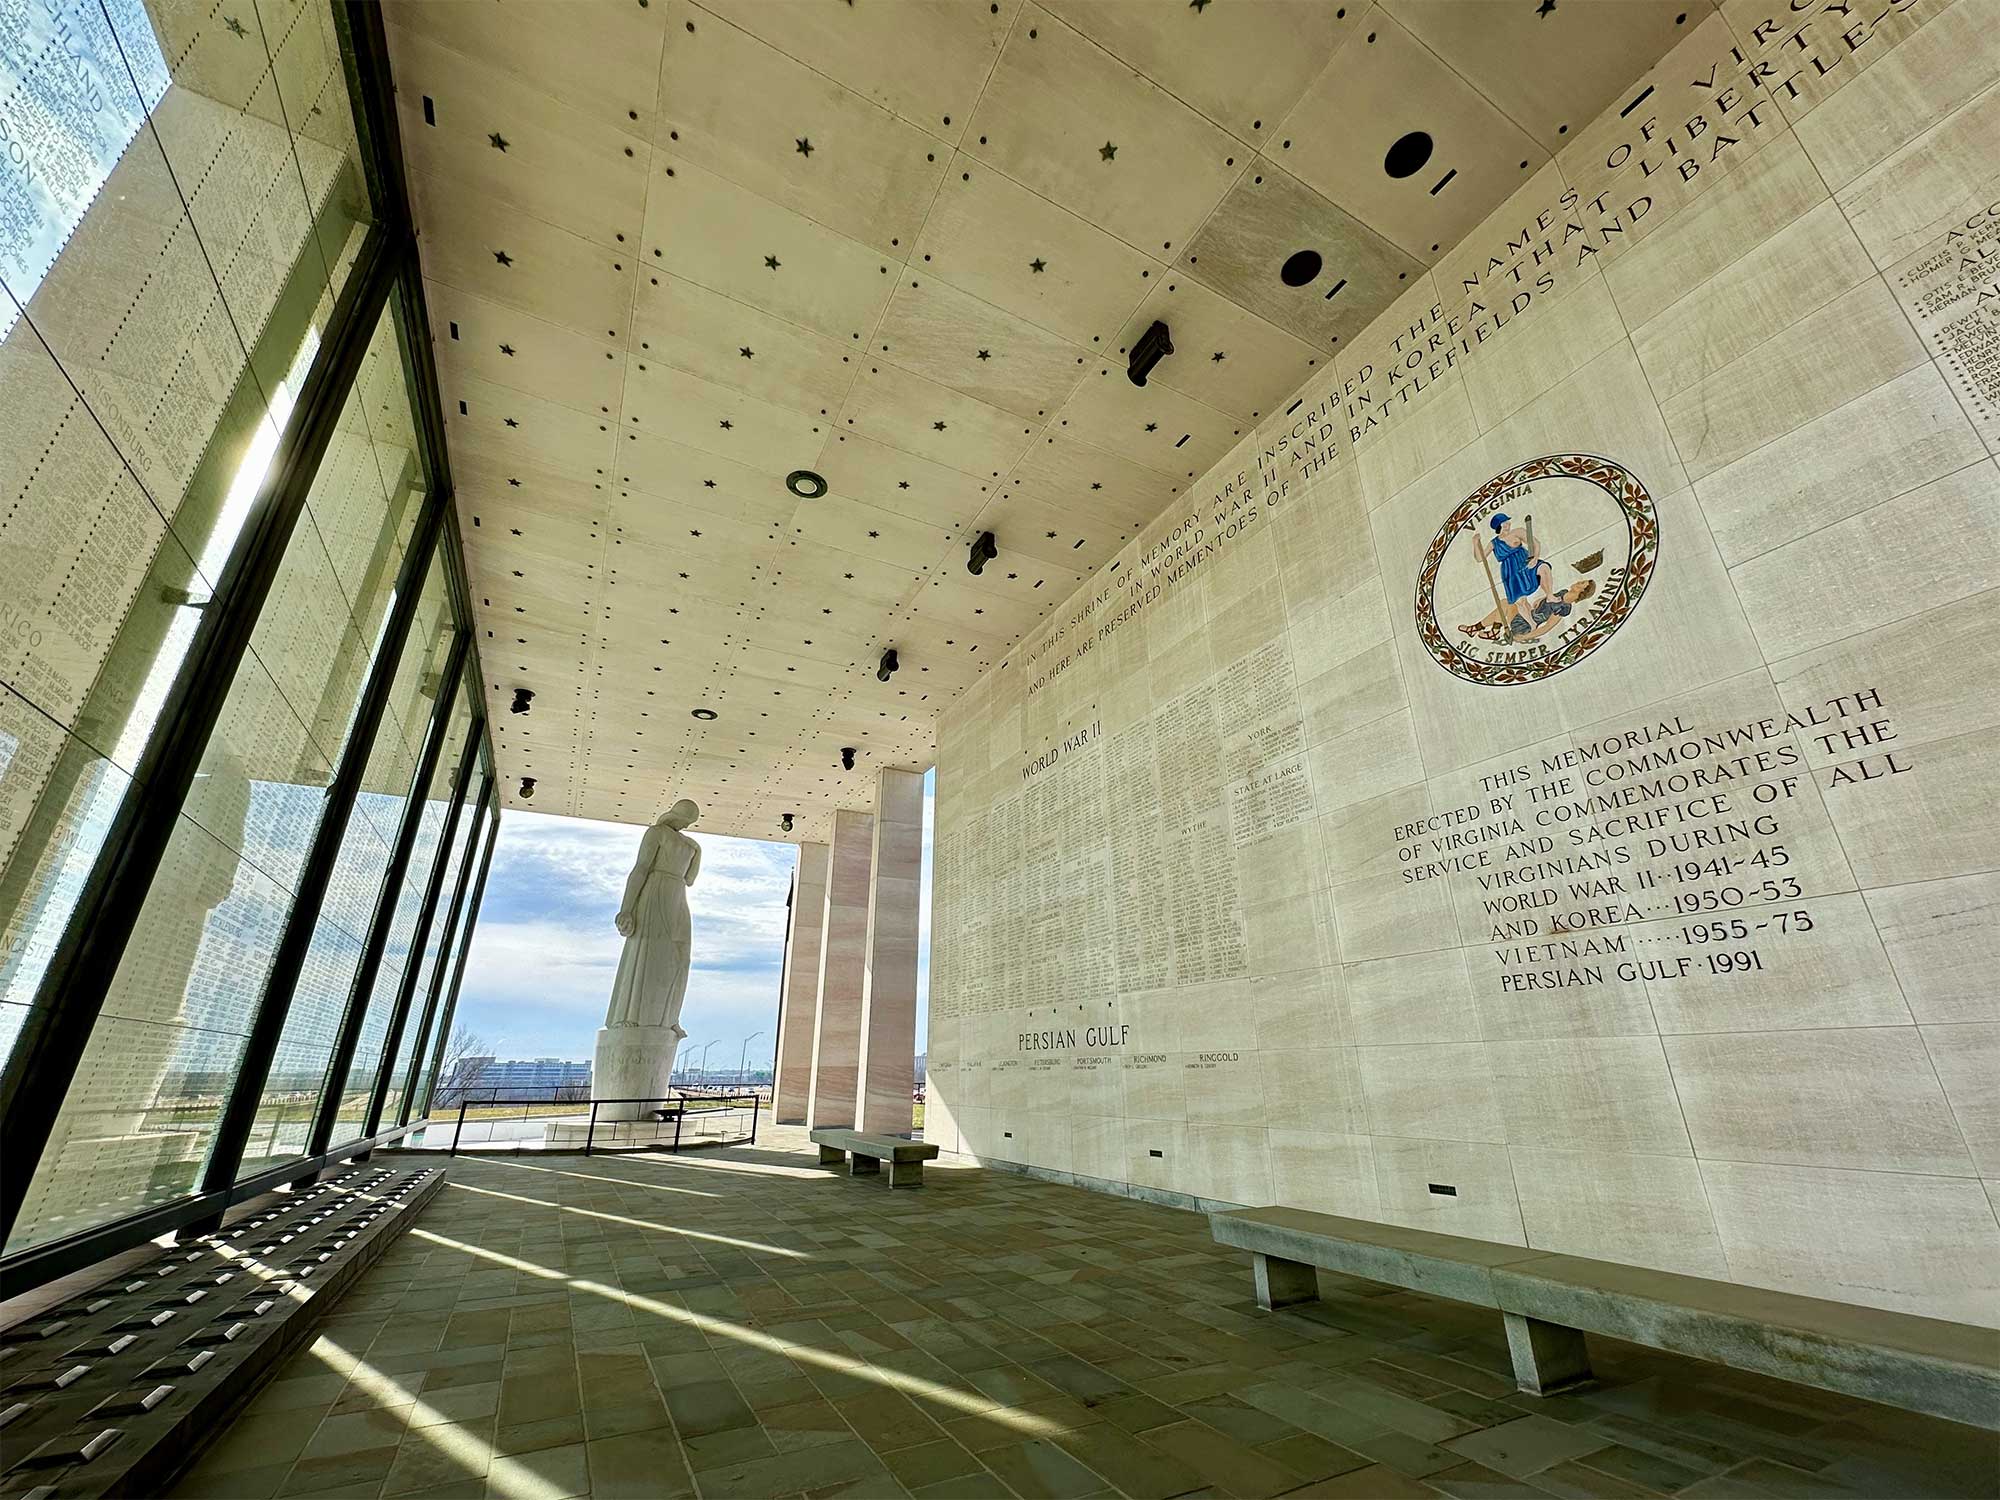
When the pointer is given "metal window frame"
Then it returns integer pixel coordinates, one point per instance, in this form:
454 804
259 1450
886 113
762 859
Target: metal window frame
392 1040
354 1017
280 990
450 1010
489 786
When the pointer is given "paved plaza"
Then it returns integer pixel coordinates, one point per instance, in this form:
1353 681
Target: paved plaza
745 1323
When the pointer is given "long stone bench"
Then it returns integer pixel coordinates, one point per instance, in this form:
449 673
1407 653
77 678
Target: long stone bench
1549 1302
905 1157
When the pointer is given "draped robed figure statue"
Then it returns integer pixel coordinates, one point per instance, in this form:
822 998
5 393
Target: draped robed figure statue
642 1031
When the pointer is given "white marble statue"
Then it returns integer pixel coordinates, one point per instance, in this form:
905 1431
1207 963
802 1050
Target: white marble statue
642 1031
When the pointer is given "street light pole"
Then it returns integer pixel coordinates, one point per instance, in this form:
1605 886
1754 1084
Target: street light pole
704 1063
744 1057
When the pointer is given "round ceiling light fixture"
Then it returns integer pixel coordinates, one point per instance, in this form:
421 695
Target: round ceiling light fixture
805 484
704 713
1407 157
1301 268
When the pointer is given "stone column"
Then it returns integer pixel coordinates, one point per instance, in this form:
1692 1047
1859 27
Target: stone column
792 1074
843 960
889 990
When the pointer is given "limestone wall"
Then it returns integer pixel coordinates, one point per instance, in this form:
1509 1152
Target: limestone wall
1664 933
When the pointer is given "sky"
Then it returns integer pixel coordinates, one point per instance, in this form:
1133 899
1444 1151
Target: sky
545 950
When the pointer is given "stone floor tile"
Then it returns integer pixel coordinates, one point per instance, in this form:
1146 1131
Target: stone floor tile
732 1445
527 1437
458 1403
421 1464
638 1466
1471 1481
930 1463
1636 1466
886 1421
1524 1446
1405 1454
790 1473
1243 1422
546 1473
357 1430
981 1486
1313 1457
1130 1463
707 1406
1371 1483
1570 1480
1040 1468
1222 1461
363 1469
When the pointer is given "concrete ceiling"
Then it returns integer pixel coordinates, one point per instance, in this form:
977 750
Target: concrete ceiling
675 251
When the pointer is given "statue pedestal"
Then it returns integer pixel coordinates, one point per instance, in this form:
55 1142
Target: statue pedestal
633 1062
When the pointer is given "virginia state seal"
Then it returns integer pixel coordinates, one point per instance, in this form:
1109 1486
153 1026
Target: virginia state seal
1536 568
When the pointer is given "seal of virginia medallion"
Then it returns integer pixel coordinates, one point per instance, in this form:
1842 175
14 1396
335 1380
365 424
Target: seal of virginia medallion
1536 569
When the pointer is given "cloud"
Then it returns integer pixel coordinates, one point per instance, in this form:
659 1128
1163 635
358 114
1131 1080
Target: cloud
546 951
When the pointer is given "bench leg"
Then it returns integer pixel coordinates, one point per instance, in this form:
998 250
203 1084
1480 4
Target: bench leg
1547 1356
906 1174
1282 1283
831 1156
862 1166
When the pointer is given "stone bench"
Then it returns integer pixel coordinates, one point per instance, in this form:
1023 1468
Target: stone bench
905 1157
1548 1303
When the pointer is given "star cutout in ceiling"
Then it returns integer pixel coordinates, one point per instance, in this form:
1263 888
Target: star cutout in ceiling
1107 151
499 141
511 422
235 26
902 484
514 483
747 352
683 575
1218 356
503 257
1152 427
1052 537
708 484
1097 486
805 145
1197 6
771 262
691 533
726 424
1547 7
874 533
508 350
1038 265
985 353
937 427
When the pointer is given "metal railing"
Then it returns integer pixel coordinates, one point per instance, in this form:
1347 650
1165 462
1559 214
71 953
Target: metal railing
660 1123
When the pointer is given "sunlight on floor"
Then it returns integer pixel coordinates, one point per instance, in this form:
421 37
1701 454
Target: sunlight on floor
591 1213
969 1402
658 1187
506 1478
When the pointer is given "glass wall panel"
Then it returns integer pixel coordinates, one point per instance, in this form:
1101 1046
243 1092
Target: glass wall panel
427 960
172 237
459 937
419 679
141 1111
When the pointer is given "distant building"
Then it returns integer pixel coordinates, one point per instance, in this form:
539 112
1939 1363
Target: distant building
524 1078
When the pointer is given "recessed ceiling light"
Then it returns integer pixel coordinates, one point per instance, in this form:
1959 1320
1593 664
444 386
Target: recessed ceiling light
704 713
805 484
